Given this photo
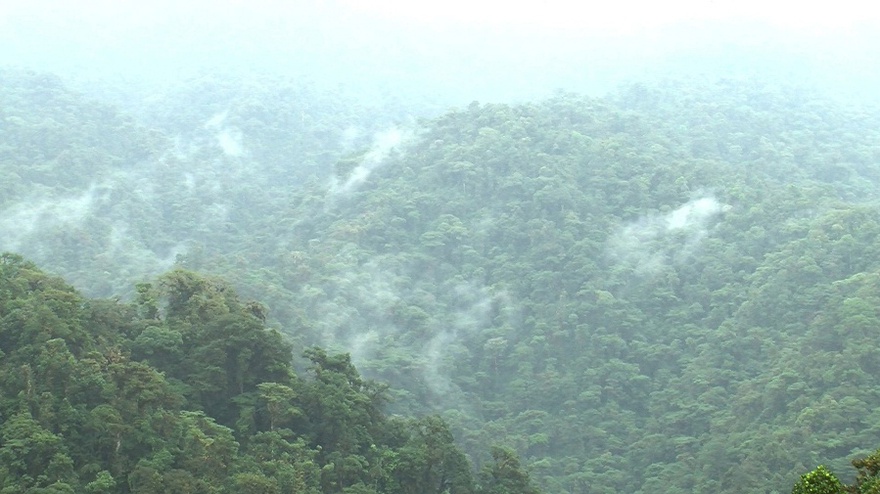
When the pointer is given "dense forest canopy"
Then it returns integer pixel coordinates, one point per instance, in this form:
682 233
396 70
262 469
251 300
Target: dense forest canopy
184 390
671 288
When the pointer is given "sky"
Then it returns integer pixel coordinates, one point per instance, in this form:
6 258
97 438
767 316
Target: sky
621 16
459 49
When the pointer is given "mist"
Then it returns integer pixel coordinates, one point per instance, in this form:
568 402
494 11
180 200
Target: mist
560 226
383 144
450 53
656 241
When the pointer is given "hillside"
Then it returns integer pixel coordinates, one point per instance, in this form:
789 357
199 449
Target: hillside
670 288
185 390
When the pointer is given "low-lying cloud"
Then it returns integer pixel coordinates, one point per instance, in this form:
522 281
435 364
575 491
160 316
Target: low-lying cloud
19 222
693 214
383 144
655 241
228 138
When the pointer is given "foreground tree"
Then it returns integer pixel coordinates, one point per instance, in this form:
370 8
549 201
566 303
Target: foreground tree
186 390
823 481
819 481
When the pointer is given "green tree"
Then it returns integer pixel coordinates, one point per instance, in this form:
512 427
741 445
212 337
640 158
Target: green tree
431 463
505 475
818 481
31 456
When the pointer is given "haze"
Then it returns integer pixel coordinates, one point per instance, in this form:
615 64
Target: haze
453 51
637 243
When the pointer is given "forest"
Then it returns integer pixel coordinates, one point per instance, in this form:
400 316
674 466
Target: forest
673 288
184 390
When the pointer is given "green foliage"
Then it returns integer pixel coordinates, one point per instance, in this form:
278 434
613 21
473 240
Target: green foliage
104 483
819 481
671 288
431 463
867 481
505 475
160 417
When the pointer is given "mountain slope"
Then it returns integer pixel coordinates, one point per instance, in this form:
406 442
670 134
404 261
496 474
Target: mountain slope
670 288
185 390
608 283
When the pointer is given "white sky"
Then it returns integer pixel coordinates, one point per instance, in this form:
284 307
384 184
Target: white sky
619 15
463 43
623 14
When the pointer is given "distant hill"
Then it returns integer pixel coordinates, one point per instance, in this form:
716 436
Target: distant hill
671 288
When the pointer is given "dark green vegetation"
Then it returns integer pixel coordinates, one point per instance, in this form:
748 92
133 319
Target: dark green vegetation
671 289
185 391
822 481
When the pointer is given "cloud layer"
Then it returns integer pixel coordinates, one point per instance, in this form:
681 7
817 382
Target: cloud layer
655 241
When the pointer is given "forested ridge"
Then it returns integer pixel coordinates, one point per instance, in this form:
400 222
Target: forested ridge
672 288
185 390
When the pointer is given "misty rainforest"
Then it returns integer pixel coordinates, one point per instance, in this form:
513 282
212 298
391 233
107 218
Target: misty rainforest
254 282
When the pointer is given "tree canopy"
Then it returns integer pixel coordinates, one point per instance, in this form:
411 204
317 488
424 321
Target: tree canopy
187 391
670 288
